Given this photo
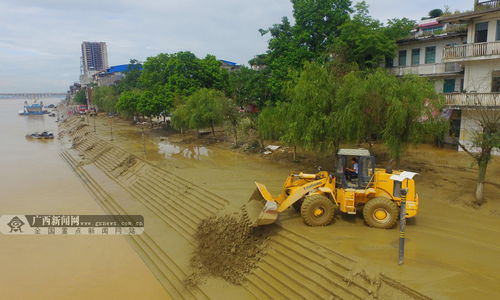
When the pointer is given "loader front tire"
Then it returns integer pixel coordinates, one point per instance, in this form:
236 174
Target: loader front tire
381 213
317 210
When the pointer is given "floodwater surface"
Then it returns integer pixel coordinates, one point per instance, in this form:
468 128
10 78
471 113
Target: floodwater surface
35 180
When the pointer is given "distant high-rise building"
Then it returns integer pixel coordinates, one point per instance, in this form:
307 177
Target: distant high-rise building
94 57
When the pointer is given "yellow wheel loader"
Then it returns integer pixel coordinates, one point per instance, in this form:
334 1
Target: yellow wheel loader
316 196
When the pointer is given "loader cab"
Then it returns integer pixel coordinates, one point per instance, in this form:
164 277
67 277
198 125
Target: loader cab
366 168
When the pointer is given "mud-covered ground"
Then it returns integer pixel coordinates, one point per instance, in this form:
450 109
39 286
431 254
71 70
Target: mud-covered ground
227 247
452 249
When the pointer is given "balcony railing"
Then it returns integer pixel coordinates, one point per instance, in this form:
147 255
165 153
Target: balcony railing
487 4
471 50
427 69
483 100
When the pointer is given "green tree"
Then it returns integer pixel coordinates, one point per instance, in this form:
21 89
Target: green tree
232 115
181 74
317 22
311 111
316 26
180 118
271 123
397 29
247 86
131 79
203 109
410 105
366 41
485 139
362 105
80 97
435 13
128 103
151 104
105 98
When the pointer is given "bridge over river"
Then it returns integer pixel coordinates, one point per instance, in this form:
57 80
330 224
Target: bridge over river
31 95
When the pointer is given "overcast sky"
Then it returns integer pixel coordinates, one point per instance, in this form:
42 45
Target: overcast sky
40 39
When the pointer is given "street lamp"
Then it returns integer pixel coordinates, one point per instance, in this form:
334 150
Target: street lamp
404 176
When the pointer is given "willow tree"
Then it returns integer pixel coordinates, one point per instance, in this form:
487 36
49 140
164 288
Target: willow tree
232 116
412 104
310 121
379 106
271 122
180 118
205 109
362 105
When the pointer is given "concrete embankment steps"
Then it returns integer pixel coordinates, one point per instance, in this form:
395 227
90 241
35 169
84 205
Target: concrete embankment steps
295 266
170 275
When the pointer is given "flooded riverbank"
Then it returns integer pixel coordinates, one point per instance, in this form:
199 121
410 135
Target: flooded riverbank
452 249
35 180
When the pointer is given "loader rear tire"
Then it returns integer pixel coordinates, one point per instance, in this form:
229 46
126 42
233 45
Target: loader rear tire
317 210
381 213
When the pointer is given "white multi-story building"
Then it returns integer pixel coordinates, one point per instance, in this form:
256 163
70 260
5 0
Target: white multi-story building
461 54
422 54
480 58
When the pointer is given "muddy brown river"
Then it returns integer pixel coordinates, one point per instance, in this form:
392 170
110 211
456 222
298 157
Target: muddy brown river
35 180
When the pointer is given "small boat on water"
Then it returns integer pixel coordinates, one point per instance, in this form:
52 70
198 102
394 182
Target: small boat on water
41 135
32 109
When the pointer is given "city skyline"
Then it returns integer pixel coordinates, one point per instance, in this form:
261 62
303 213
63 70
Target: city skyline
42 53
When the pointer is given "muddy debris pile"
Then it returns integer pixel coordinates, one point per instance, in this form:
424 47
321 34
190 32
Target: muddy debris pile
227 247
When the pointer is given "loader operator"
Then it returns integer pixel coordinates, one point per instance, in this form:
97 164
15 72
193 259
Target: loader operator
352 173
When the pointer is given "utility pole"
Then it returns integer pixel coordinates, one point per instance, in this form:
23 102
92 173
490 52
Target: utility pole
402 225
403 177
143 141
95 115
111 129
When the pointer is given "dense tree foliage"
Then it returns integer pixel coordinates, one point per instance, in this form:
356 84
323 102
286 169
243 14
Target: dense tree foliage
316 26
105 98
131 78
318 85
204 108
247 86
366 41
80 97
128 102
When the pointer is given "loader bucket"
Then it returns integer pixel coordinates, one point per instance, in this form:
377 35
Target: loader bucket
261 209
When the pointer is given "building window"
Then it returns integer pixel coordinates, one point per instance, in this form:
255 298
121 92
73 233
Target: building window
415 56
449 86
402 58
481 32
498 31
430 55
389 62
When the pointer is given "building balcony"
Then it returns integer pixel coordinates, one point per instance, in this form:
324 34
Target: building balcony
481 5
428 69
475 51
473 100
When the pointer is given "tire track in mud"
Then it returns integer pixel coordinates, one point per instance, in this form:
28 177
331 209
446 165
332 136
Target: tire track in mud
294 267
170 275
